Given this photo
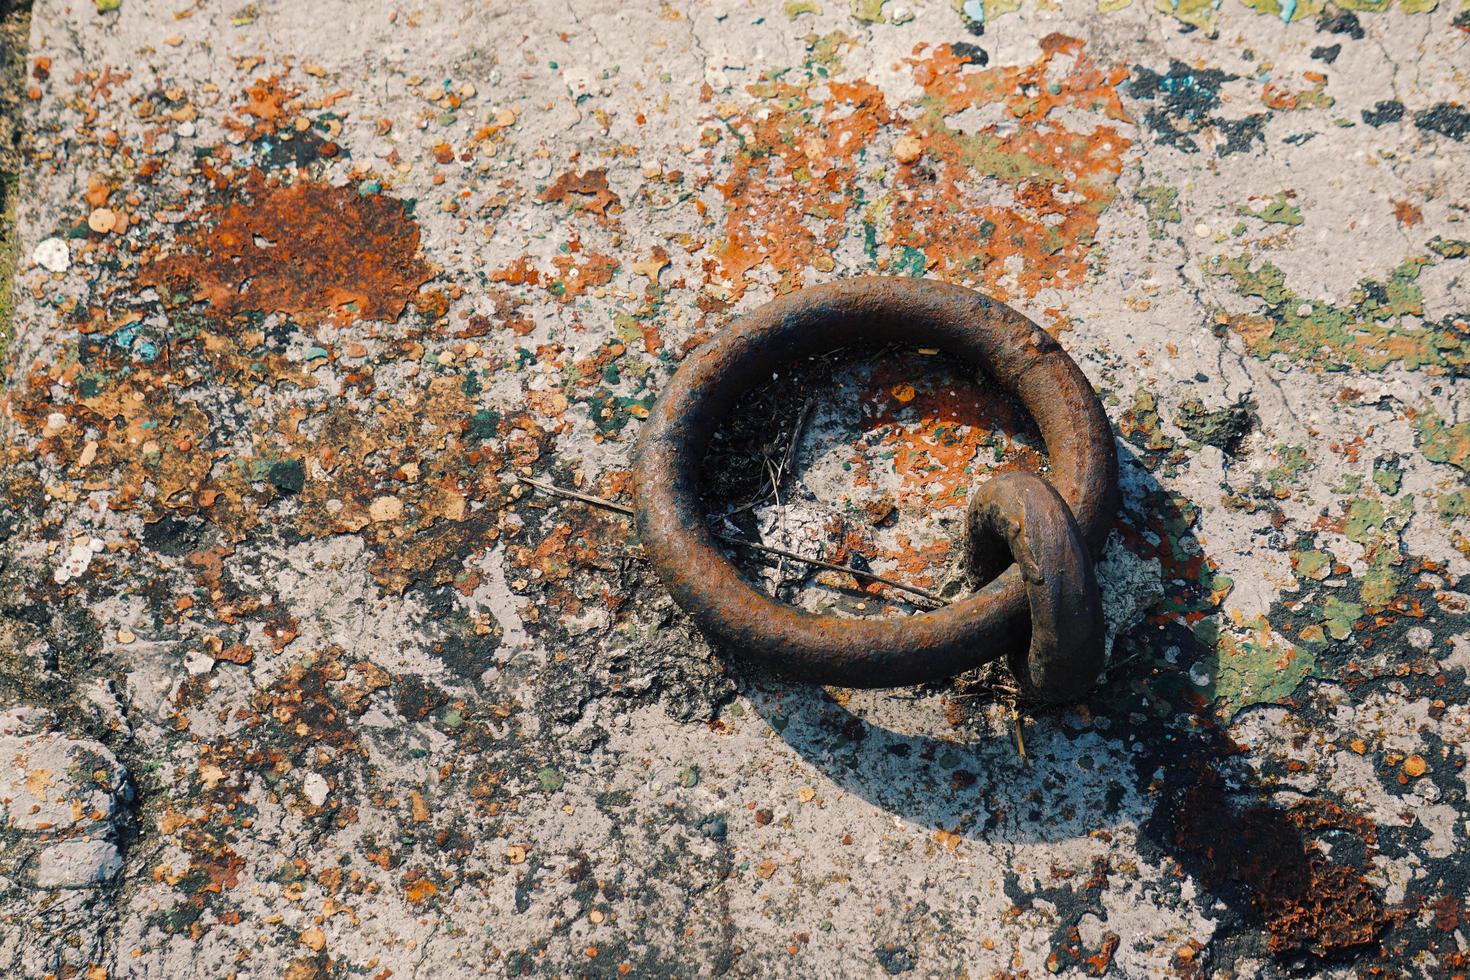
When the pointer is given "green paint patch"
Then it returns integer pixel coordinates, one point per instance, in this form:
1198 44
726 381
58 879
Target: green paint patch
1364 517
612 412
1383 580
1221 427
1161 205
1141 425
1202 14
1368 333
1259 667
1292 463
1315 565
907 261
1441 443
1449 248
1279 212
1388 476
1290 12
1338 617
483 425
1454 505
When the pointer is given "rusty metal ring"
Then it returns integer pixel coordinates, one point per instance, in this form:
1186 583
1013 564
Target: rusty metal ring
865 652
1024 512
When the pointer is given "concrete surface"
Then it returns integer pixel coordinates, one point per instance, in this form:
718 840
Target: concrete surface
298 681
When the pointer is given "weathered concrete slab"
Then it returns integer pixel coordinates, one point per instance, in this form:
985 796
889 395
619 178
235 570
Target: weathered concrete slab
303 288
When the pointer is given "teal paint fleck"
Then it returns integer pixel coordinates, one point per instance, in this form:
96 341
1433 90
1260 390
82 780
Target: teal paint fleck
975 10
908 261
1288 11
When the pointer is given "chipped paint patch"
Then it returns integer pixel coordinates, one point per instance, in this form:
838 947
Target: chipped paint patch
1381 324
807 144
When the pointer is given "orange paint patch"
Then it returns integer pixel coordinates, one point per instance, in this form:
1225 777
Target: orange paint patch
267 99
420 891
1060 180
585 192
1407 214
1012 205
791 187
576 277
934 426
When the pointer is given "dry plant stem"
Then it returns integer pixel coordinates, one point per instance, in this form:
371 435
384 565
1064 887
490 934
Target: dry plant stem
556 491
776 475
586 498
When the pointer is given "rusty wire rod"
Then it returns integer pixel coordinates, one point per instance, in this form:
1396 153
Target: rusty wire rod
587 498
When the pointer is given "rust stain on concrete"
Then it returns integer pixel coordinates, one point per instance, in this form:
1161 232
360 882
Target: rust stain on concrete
308 249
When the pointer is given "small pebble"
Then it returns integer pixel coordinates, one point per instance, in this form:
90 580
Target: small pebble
52 255
315 787
197 663
101 220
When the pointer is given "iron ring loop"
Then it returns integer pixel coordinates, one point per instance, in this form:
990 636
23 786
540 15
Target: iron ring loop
1028 516
1015 353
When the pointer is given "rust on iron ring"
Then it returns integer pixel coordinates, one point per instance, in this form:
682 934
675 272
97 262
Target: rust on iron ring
1033 522
1055 541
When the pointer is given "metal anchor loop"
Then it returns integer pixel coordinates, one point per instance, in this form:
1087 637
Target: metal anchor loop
997 620
1066 650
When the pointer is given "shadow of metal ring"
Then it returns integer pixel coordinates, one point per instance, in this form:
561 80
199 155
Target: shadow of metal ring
871 652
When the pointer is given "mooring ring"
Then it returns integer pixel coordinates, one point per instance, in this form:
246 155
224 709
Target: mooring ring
865 652
1025 514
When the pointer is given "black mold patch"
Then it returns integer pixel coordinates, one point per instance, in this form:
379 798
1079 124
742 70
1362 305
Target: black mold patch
1327 53
1185 101
1080 896
417 699
302 150
1241 133
288 477
468 657
1342 22
1383 113
1446 119
970 54
174 536
1184 97
894 959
